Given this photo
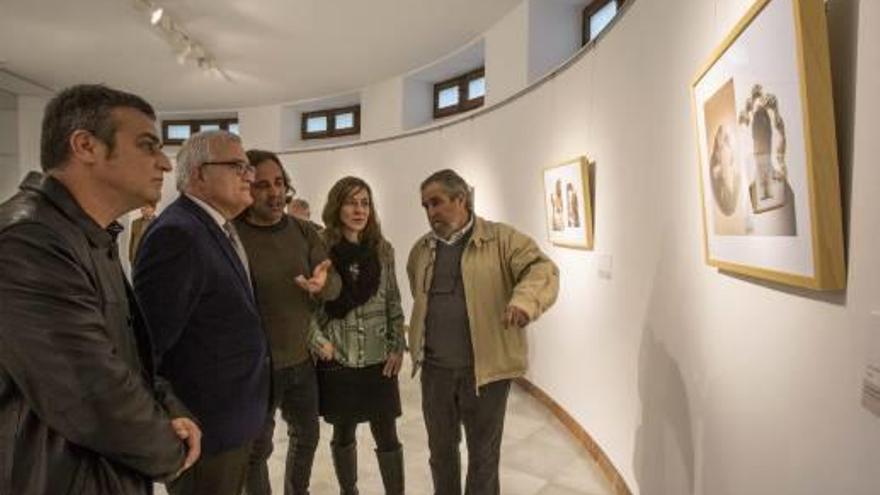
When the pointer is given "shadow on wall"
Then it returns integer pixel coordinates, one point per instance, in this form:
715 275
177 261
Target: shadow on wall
843 35
664 450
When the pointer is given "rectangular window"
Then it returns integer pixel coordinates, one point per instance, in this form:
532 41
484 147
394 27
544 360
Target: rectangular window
316 124
344 120
460 94
448 97
602 18
178 131
175 132
477 88
598 14
333 122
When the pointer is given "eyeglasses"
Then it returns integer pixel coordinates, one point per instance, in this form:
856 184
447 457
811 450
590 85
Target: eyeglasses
238 166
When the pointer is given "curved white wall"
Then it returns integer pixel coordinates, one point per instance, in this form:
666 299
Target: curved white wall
693 382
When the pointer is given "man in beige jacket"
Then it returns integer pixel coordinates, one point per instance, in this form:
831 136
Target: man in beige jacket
476 284
138 227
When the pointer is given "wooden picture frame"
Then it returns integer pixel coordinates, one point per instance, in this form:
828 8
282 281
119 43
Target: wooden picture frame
769 185
568 204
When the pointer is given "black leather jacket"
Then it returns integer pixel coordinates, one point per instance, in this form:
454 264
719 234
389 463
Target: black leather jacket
78 412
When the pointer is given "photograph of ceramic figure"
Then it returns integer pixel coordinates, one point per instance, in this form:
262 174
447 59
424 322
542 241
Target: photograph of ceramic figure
747 153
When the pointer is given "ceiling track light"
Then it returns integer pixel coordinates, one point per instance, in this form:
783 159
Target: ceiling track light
156 16
183 54
184 46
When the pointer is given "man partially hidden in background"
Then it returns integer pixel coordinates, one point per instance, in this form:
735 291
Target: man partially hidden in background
138 227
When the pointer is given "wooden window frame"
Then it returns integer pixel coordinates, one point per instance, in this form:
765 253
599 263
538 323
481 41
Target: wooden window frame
591 10
331 131
194 125
464 104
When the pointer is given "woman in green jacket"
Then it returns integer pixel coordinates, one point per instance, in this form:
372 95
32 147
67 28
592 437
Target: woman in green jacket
359 337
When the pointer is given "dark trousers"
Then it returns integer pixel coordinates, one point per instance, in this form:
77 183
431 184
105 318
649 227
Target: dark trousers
295 391
449 400
217 474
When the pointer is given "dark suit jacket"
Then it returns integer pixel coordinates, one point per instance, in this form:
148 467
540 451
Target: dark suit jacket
205 324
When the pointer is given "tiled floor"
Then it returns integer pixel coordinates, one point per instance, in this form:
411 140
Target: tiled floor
539 456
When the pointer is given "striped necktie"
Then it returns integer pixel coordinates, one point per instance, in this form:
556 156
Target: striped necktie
237 246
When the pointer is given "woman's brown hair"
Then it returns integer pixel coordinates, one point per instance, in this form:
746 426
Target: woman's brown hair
339 193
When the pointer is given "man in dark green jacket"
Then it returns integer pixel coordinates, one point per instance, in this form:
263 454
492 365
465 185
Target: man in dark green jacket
292 274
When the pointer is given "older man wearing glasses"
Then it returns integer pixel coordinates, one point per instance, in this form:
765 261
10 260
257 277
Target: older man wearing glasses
192 277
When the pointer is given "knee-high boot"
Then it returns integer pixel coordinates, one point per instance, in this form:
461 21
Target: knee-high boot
345 463
391 468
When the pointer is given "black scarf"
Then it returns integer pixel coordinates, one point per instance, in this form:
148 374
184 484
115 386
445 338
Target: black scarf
358 266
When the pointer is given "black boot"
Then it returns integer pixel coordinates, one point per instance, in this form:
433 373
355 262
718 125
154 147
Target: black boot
391 468
345 462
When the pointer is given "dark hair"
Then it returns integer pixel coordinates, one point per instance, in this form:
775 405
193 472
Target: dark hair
345 187
454 185
83 107
256 157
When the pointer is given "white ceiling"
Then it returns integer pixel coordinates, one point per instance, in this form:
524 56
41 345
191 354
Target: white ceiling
273 50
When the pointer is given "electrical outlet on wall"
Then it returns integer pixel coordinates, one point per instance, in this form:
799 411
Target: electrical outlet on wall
603 266
871 382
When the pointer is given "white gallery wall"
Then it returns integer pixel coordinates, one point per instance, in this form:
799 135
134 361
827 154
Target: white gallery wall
8 143
692 381
30 118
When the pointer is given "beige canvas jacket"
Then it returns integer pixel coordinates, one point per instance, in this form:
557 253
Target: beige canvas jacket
499 266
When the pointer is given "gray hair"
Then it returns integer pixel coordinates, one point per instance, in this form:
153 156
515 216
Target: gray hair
454 185
300 203
198 149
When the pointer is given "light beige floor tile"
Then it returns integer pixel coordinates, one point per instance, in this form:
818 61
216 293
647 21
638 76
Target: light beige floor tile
553 489
583 476
553 434
516 482
518 427
538 458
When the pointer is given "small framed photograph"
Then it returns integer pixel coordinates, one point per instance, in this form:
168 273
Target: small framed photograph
568 203
768 154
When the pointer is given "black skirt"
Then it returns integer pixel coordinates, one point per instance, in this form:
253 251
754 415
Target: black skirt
356 395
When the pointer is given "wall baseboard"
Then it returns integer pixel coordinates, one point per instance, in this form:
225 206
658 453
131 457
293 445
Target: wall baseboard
618 484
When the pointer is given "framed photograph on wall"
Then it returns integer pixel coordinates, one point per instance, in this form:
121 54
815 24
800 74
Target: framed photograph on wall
770 192
568 203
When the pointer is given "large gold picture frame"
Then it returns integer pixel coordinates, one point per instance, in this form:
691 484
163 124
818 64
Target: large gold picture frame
568 204
769 186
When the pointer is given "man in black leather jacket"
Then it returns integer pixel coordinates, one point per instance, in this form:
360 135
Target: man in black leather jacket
81 411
